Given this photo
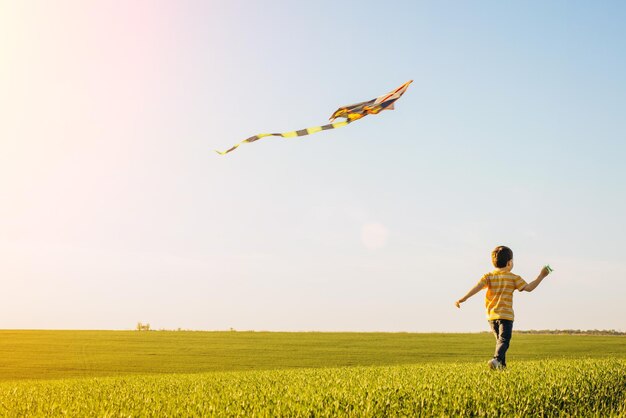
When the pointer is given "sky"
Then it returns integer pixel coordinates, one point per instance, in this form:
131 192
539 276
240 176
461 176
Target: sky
114 209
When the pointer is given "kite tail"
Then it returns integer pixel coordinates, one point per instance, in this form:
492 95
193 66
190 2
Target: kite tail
291 134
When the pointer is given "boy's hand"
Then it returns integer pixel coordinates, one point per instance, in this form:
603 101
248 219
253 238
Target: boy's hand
545 271
458 303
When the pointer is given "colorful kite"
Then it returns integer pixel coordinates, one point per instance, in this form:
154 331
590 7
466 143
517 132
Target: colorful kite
349 113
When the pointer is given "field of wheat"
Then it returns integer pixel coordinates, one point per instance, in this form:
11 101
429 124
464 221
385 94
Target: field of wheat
530 388
121 374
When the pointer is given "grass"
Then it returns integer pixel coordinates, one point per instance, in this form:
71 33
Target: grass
530 388
66 354
129 373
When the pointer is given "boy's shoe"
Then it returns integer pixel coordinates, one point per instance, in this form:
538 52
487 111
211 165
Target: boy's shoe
494 364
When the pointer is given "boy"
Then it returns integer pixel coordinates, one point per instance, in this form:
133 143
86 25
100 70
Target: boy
500 285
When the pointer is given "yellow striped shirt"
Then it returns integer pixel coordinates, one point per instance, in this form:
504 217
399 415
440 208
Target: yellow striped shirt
499 298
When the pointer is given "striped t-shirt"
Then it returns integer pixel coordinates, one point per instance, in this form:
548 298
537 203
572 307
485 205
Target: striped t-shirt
499 298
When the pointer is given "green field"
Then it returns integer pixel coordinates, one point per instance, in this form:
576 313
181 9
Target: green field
129 373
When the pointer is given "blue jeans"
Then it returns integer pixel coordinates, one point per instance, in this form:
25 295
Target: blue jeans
503 330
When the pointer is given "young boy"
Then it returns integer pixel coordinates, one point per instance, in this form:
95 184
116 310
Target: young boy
500 285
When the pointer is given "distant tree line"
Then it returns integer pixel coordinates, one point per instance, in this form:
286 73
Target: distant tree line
142 327
146 327
573 331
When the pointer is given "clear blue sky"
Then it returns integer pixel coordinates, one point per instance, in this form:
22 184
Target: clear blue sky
116 210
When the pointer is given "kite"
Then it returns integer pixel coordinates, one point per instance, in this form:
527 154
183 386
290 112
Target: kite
349 113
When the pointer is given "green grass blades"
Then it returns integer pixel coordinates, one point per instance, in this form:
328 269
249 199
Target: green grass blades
591 387
66 354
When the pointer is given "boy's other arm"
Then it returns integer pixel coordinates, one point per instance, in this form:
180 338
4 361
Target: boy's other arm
532 285
471 293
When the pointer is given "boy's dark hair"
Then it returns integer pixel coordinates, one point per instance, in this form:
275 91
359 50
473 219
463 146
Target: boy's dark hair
501 256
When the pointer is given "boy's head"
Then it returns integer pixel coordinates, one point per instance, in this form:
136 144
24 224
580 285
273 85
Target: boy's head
502 256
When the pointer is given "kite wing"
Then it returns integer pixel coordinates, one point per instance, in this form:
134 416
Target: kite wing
350 113
371 107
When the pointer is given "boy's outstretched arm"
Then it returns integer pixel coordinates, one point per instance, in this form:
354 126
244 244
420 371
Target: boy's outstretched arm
471 293
532 285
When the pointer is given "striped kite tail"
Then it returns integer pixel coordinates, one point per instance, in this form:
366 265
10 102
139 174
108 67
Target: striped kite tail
291 134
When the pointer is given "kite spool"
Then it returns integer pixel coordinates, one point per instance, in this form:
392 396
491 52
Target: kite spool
549 268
